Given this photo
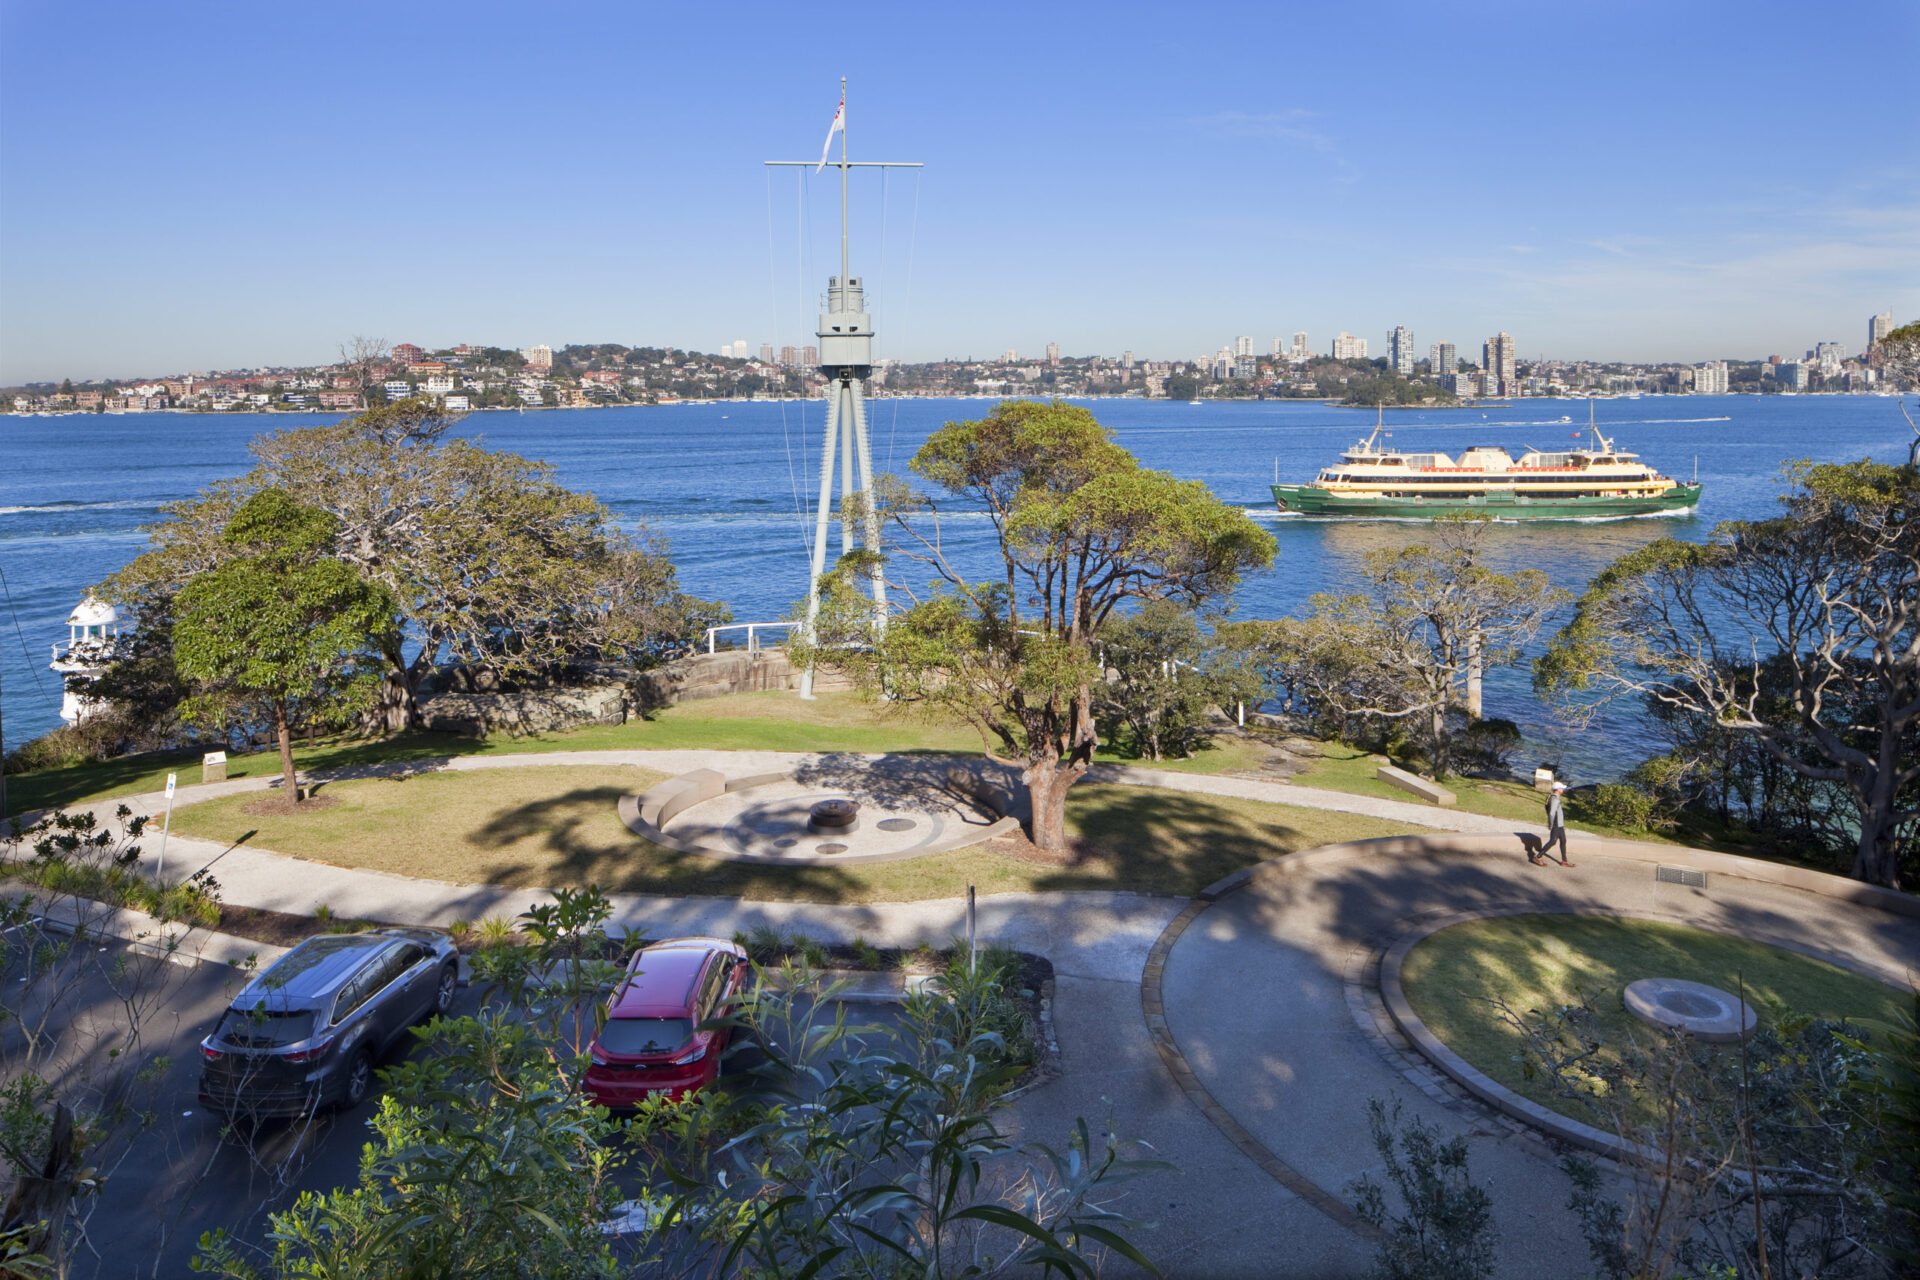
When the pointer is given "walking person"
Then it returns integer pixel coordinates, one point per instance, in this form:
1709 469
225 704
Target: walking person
1556 823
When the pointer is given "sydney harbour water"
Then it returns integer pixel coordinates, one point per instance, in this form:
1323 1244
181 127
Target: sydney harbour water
731 487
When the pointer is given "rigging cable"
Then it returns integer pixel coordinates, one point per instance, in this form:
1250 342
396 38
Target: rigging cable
14 613
913 238
786 438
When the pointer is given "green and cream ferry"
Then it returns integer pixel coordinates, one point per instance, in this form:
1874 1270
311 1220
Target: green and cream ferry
1600 482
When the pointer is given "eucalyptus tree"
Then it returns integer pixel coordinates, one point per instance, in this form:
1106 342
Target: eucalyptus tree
1802 631
1080 528
488 561
282 626
1403 649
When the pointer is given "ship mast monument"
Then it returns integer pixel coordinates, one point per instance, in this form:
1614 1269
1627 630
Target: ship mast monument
846 357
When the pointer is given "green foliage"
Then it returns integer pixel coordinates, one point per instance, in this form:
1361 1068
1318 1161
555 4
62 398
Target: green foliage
280 628
1162 681
1446 1230
76 855
1796 635
486 561
1081 529
1614 804
1399 652
1770 1147
843 1150
486 1161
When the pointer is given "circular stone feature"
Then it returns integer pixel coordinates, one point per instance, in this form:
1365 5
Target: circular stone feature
896 824
830 849
1703 1012
833 815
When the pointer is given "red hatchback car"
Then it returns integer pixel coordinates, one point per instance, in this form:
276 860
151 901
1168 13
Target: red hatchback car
652 1044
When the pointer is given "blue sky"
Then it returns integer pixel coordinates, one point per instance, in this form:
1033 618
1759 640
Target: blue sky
203 185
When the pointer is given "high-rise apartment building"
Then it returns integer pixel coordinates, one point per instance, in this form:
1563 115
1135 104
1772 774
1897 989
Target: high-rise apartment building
1792 373
1053 353
1440 359
766 353
1877 328
789 357
540 357
1279 346
1498 359
1242 347
1300 345
1126 359
1400 350
1009 355
1348 347
809 357
1710 379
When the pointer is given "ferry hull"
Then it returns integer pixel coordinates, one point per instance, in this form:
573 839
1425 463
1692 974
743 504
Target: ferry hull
1310 500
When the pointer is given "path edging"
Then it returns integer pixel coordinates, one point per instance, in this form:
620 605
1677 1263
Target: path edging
1496 1095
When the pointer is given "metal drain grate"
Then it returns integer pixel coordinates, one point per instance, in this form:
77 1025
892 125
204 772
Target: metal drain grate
1681 875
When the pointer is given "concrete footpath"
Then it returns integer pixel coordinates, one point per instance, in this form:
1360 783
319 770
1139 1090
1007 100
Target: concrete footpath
1258 988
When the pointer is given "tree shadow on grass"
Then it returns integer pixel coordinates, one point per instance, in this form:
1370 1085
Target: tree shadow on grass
1164 842
571 832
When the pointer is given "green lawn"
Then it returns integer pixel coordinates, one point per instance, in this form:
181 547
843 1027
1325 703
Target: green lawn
744 722
1547 961
545 826
1340 767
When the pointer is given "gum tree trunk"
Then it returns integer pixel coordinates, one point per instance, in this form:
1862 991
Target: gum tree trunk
283 734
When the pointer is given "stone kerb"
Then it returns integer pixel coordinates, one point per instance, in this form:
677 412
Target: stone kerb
674 796
1290 866
1413 784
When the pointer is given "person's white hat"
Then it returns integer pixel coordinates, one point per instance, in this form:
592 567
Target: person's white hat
1559 786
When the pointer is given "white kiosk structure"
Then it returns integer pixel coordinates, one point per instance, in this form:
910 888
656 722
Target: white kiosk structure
93 641
846 357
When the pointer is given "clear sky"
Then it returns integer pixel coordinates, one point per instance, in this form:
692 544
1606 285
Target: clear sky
201 185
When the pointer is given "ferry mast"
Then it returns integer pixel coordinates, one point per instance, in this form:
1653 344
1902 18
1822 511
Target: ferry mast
846 357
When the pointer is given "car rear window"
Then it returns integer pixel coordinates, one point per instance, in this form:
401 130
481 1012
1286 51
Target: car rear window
265 1028
645 1035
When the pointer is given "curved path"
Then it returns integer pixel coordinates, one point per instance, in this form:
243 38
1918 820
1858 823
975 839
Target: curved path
1262 1039
1263 1000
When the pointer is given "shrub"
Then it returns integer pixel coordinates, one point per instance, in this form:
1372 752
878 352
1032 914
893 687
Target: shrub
1614 804
94 739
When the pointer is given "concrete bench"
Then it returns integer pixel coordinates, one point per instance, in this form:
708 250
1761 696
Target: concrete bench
663 803
1418 786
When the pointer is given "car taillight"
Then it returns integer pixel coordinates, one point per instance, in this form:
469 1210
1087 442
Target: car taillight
694 1054
312 1051
210 1053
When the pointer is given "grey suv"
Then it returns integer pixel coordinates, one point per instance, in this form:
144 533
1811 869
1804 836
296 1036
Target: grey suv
307 1032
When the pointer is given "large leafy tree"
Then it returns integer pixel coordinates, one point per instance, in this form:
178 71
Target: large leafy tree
1802 632
281 626
1081 528
488 561
1898 355
1403 648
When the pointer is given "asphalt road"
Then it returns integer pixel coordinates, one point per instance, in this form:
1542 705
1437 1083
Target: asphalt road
184 1171
187 1172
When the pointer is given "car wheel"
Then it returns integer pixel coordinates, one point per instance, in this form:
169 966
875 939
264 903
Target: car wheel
359 1079
443 994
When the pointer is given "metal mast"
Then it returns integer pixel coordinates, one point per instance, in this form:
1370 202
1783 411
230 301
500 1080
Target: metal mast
846 357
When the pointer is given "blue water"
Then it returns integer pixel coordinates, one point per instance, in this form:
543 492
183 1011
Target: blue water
728 485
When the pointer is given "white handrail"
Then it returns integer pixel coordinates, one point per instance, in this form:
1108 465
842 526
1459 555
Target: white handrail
751 628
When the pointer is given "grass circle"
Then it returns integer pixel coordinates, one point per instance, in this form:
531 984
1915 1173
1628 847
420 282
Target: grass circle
1543 962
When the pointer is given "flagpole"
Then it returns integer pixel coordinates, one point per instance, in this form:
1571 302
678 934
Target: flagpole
843 181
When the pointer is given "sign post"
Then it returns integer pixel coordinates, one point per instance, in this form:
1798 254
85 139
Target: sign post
973 952
160 869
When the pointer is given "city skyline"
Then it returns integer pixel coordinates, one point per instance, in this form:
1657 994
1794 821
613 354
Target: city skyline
251 194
